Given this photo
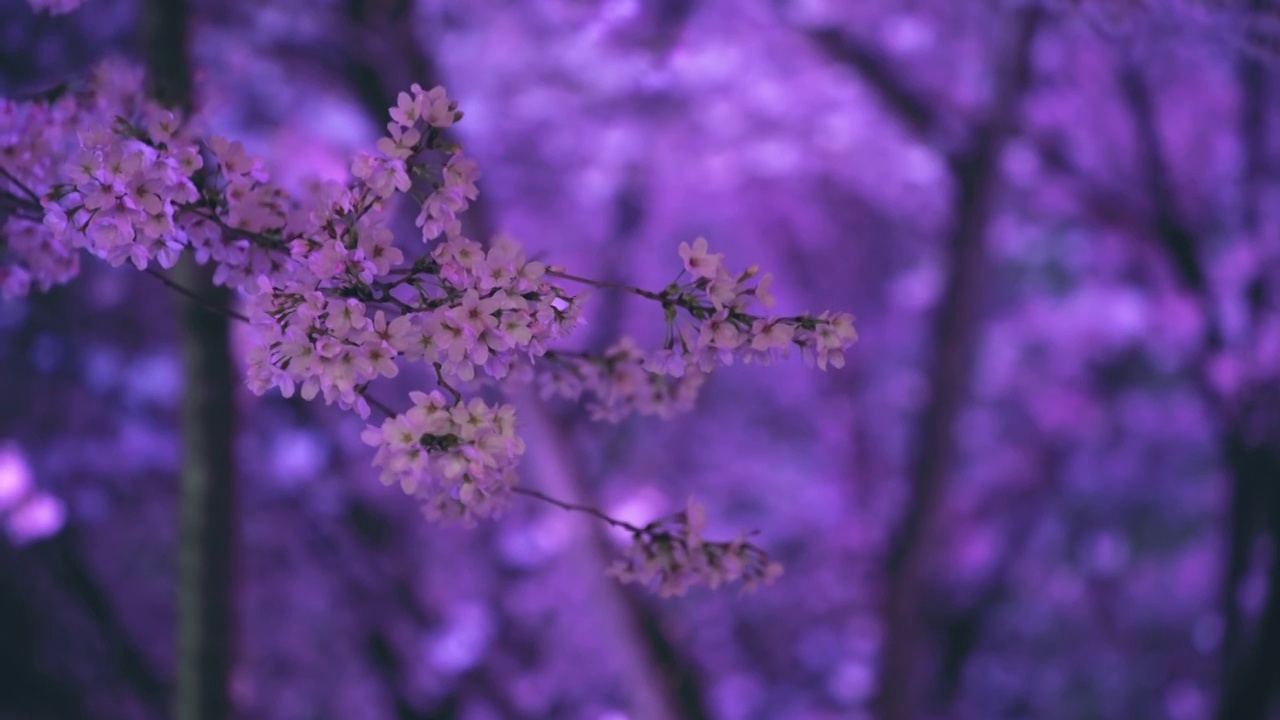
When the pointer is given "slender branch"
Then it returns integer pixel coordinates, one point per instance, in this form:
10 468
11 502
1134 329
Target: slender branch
20 213
20 185
577 507
377 404
1169 224
192 295
658 297
457 396
562 355
257 237
23 208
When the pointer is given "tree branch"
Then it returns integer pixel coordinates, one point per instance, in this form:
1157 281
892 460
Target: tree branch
1250 689
193 296
577 507
1171 228
914 108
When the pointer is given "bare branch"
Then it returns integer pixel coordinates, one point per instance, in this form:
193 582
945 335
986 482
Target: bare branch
577 507
218 309
13 179
1170 226
909 104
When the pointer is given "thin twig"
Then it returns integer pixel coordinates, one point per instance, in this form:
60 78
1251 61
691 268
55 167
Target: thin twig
377 404
607 285
22 205
195 296
21 186
576 507
574 354
457 396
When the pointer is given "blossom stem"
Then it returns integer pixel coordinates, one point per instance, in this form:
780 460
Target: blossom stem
193 296
575 507
608 285
23 208
246 234
21 186
377 404
576 354
457 396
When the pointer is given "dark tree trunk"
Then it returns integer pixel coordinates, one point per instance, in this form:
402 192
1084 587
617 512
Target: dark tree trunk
956 335
206 544
206 537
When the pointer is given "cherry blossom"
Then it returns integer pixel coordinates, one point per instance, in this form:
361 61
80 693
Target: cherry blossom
335 305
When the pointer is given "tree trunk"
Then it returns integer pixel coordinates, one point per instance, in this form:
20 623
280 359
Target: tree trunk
206 544
1251 687
956 336
206 536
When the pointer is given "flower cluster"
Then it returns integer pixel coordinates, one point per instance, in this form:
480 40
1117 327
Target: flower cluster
347 310
453 182
39 142
619 382
123 192
715 304
459 459
30 255
670 556
709 323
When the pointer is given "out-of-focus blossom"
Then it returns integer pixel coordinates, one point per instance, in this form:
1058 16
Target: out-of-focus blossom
27 513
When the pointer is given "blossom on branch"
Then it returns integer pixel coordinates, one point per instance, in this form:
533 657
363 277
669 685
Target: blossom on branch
458 459
335 305
670 556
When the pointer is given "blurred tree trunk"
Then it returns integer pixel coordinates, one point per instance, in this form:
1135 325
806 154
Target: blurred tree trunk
1250 687
30 689
1242 527
1251 664
206 544
956 336
652 696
